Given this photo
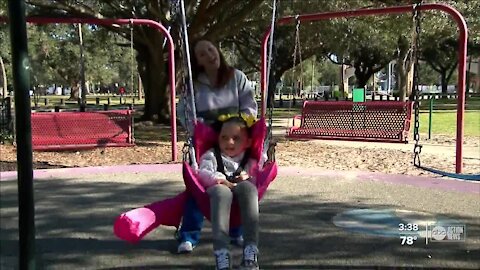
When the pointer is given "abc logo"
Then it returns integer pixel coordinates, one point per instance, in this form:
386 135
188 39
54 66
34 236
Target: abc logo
439 233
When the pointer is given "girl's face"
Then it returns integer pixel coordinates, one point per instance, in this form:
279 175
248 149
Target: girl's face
233 139
207 55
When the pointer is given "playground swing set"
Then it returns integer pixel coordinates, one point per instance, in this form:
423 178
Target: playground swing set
383 121
133 225
355 120
344 120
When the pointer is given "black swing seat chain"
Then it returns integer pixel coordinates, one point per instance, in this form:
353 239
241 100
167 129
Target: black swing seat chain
416 95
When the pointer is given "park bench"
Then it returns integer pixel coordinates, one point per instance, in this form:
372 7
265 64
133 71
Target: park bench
387 121
81 130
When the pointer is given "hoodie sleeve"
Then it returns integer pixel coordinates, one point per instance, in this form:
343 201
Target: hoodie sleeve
246 95
207 170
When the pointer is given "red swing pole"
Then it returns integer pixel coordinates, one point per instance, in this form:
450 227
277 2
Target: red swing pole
462 55
153 24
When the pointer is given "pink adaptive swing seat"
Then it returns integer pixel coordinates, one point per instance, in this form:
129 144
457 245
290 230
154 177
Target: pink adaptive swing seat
206 138
133 225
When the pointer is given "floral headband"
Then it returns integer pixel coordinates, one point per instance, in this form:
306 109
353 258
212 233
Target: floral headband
248 118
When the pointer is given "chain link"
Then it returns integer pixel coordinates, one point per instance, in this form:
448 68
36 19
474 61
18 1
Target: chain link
416 86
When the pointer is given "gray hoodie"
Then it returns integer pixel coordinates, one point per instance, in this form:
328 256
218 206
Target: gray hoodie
236 96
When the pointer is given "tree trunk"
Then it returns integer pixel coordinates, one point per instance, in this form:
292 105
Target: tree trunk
4 78
75 92
404 80
362 78
343 87
405 66
443 76
362 74
154 81
272 86
409 83
469 73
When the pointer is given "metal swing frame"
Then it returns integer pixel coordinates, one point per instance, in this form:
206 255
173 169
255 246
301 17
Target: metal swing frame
132 21
416 105
462 45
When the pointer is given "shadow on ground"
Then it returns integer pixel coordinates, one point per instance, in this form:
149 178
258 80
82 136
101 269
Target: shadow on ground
74 230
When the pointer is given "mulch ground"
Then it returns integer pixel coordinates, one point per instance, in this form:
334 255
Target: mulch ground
309 154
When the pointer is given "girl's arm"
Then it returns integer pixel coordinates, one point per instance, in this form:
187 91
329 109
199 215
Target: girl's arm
246 95
207 170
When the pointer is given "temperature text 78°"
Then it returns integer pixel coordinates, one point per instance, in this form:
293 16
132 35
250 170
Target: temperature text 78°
407 240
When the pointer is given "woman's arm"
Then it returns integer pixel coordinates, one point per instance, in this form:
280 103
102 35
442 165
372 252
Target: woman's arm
246 95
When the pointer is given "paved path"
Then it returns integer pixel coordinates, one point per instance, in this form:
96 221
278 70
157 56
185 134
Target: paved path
309 220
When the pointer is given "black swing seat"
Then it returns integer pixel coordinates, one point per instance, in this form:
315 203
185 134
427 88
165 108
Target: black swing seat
384 121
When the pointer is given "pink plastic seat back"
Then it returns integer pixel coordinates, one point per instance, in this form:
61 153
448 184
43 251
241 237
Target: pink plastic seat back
205 138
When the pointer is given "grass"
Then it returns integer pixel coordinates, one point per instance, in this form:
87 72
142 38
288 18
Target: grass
445 122
472 103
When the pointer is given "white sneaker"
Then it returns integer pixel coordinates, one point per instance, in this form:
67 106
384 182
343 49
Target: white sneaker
222 259
237 241
250 258
185 247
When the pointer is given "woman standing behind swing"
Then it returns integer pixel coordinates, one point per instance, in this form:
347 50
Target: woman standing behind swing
219 89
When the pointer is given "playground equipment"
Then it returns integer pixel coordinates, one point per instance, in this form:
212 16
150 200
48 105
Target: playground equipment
385 121
23 113
416 93
358 120
135 224
153 24
462 47
81 130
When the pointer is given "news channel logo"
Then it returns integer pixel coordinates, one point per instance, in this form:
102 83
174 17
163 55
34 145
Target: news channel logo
447 232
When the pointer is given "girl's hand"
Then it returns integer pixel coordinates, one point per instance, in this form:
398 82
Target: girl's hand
227 183
242 177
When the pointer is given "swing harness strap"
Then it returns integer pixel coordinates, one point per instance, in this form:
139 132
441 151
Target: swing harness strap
221 166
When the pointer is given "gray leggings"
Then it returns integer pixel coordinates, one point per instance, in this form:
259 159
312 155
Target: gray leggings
221 198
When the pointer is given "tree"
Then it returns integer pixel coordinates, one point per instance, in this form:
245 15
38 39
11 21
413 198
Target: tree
54 55
5 57
439 42
213 19
441 56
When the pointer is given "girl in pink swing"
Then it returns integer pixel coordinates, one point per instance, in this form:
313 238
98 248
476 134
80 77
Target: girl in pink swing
224 172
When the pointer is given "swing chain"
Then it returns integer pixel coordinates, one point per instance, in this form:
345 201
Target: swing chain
174 10
416 88
297 45
269 143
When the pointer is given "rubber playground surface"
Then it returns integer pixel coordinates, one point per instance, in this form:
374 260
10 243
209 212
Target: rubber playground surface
310 219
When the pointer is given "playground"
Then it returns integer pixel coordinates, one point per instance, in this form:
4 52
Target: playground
319 184
153 147
301 220
346 187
